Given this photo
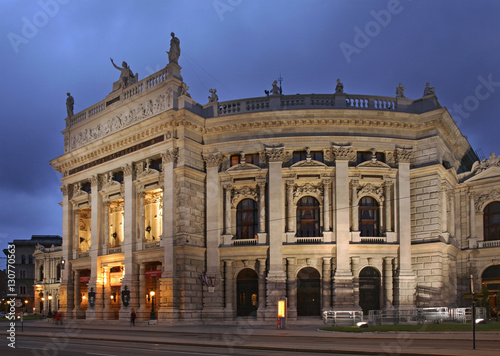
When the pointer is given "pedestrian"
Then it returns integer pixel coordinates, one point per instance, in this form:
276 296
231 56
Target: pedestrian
133 315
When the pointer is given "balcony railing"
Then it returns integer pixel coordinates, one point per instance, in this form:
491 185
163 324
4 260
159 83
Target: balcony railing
487 244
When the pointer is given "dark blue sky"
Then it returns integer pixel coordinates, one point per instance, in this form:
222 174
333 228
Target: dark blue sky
50 47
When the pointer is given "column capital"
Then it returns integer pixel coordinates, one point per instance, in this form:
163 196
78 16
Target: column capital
128 169
342 152
275 153
212 160
64 190
403 155
170 156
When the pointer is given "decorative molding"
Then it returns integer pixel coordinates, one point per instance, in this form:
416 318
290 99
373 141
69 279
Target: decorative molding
480 201
242 193
372 190
310 189
119 122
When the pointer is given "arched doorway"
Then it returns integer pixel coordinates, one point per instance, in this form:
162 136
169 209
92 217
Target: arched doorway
308 292
247 292
369 289
491 278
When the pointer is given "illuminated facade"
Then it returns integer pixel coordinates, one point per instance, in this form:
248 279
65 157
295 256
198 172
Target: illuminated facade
335 201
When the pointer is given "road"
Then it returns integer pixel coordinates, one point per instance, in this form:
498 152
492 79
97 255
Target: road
110 339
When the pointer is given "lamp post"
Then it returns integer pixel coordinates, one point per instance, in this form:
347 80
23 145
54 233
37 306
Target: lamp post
26 305
152 315
50 305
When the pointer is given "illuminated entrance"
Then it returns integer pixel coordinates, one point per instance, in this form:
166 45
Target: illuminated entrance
369 289
308 292
247 291
491 278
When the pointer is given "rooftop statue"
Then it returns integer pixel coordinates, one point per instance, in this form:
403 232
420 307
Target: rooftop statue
275 89
339 89
175 49
429 90
70 102
400 91
126 76
213 98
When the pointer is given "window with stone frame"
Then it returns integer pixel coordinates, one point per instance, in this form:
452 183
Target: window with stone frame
368 213
247 219
491 221
302 155
308 217
22 290
23 259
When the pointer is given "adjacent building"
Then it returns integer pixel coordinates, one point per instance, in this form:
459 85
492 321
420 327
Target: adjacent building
191 212
24 268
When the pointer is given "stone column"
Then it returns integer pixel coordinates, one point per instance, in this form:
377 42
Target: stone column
444 213
405 282
142 310
327 283
261 311
291 284
276 278
355 279
77 311
95 243
387 201
142 222
212 301
227 209
326 204
66 287
388 290
168 301
105 297
342 280
354 204
129 237
290 206
452 213
229 288
261 184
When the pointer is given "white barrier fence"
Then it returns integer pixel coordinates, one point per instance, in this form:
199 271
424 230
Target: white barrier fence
419 315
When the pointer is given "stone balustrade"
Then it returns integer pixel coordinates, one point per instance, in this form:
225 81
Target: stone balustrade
122 95
326 101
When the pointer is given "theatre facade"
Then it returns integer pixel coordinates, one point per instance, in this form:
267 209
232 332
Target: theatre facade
210 212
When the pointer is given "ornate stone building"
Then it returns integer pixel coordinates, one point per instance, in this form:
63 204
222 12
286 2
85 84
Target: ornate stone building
335 201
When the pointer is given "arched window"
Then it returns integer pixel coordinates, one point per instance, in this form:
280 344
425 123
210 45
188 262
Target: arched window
492 221
308 217
368 217
247 219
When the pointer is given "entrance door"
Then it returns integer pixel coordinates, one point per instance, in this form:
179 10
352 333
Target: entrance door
308 292
247 291
369 289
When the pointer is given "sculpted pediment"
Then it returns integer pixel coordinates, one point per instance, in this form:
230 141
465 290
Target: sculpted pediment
308 163
373 164
243 167
147 174
488 173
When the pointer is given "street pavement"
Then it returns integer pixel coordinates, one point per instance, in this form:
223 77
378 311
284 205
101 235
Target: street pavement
247 334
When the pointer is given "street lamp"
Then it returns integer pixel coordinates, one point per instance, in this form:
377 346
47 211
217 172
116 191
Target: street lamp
50 305
152 315
26 305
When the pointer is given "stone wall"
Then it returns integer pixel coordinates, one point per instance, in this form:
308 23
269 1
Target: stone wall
425 207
